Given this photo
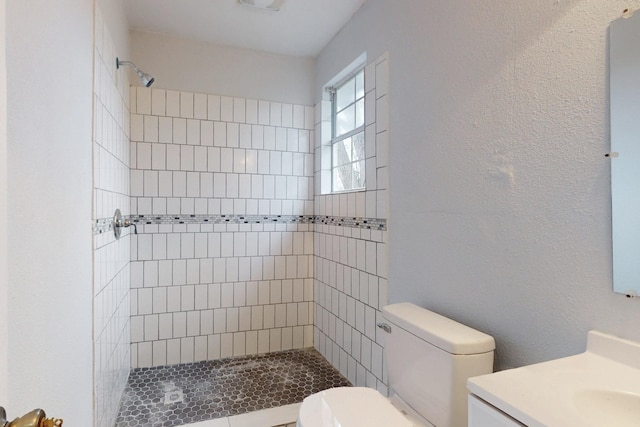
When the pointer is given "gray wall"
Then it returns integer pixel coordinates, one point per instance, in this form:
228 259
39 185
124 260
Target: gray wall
499 191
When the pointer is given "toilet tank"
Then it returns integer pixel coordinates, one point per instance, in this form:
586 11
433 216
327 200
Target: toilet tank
429 359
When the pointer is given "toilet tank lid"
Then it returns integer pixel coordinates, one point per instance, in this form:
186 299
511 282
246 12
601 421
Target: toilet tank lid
440 331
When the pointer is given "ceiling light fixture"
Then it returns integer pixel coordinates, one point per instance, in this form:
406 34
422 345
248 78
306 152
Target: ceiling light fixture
271 5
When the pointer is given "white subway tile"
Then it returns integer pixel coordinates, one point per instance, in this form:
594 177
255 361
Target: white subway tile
213 159
244 318
263 341
213 347
179 184
150 129
206 133
158 156
239 344
173 157
219 320
159 353
206 270
200 348
232 269
179 131
158 102
150 184
193 132
173 299
173 351
275 340
173 103
137 183
151 327
145 355
251 111
193 184
186 158
200 106
179 272
287 115
220 134
179 324
298 116
281 139
206 322
226 159
293 140
298 337
287 338
186 105
137 328
226 109
145 301
193 323
269 138
233 135
193 271
219 270
187 349
213 107
239 110
232 320
276 114
263 112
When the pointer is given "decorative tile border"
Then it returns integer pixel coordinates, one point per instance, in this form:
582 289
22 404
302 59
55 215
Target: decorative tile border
104 225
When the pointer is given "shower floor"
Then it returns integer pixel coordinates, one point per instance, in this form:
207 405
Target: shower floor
169 396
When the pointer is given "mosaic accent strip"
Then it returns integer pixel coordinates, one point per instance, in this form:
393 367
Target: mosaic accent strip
170 396
104 225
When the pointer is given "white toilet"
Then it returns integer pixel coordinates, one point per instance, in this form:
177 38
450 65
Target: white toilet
429 358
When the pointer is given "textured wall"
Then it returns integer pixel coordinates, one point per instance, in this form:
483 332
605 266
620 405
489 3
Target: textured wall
49 70
500 201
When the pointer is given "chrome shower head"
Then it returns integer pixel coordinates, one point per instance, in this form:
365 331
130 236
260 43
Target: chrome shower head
145 78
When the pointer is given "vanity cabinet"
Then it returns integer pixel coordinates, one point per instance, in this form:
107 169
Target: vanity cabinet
482 414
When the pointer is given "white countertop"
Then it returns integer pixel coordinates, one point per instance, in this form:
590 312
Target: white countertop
569 391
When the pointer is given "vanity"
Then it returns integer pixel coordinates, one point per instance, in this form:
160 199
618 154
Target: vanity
600 387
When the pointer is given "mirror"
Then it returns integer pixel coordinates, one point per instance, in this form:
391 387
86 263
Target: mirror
624 88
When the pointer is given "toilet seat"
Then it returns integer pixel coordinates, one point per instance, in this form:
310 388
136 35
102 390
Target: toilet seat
350 407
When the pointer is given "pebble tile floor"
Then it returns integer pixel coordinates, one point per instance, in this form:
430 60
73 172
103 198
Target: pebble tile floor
175 395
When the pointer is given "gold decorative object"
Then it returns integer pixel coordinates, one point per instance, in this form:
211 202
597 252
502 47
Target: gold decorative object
35 418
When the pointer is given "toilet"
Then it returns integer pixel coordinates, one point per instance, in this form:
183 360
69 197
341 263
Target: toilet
429 359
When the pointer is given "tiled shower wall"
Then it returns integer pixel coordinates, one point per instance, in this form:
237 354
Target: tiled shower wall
350 277
222 192
111 257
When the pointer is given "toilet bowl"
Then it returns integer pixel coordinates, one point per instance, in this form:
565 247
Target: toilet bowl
349 407
355 407
429 359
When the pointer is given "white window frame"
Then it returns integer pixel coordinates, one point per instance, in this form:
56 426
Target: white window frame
327 127
356 131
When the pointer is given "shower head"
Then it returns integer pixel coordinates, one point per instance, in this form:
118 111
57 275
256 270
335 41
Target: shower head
146 79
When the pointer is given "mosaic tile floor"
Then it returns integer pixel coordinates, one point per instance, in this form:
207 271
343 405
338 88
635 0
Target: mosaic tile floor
170 396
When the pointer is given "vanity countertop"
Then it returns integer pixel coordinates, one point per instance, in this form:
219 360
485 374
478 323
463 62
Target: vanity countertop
598 387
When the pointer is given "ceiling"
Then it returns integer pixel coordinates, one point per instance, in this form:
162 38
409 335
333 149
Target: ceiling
300 28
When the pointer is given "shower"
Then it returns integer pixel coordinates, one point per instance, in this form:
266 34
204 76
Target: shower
146 79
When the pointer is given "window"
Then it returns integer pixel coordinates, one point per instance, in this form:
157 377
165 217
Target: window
347 134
